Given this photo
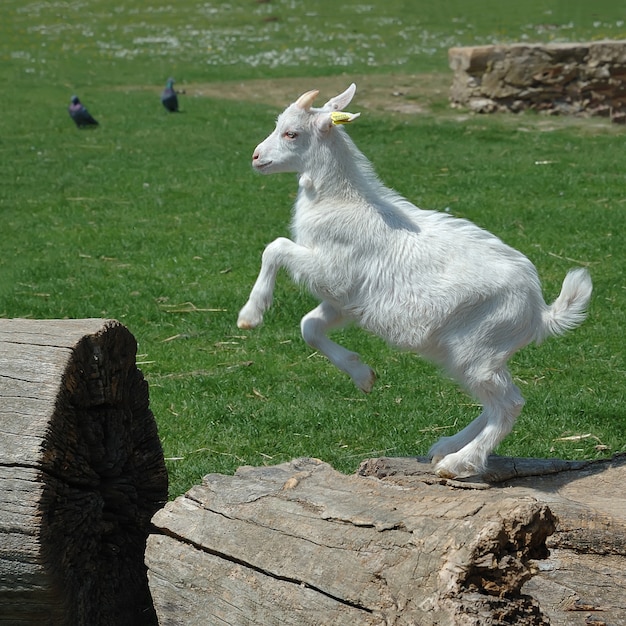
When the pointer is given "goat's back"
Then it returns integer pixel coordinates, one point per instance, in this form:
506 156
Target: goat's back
406 274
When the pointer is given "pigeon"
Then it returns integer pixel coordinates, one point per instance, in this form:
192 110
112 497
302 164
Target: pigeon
79 114
169 97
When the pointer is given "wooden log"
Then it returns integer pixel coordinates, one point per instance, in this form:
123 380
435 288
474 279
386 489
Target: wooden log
81 474
301 544
583 580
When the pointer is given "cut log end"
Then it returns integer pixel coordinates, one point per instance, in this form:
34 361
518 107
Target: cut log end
79 433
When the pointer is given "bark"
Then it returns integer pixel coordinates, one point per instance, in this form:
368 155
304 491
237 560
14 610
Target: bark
81 474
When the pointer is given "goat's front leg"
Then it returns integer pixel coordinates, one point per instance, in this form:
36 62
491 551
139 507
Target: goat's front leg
282 252
314 326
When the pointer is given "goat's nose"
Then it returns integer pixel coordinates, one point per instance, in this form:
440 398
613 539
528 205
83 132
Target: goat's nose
255 155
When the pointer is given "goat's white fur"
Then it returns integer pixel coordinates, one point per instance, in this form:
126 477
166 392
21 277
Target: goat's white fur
422 280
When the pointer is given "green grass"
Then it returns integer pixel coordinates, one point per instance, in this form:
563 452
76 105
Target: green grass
158 221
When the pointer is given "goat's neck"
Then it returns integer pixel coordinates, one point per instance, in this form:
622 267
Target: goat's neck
338 170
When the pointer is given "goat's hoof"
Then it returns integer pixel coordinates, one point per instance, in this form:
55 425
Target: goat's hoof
245 325
444 473
248 321
365 382
449 467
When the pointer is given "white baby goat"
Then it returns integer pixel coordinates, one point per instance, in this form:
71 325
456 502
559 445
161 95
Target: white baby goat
422 280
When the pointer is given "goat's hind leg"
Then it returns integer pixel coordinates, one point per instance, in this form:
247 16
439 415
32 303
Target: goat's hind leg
502 403
448 445
315 325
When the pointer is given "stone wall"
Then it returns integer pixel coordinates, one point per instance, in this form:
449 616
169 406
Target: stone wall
569 78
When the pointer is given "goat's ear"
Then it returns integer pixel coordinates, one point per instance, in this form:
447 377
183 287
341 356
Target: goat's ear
341 101
324 122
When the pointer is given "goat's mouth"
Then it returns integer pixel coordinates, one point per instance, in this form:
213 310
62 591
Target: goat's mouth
261 166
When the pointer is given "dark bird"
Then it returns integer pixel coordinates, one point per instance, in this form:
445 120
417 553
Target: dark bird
169 97
79 114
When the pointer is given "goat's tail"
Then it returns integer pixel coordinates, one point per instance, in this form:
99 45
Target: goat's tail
570 308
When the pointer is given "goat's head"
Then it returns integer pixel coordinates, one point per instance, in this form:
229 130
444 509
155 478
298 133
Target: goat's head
299 127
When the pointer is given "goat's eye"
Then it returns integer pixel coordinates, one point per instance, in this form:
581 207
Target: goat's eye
290 134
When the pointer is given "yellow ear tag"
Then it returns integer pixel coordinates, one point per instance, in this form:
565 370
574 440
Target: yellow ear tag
341 117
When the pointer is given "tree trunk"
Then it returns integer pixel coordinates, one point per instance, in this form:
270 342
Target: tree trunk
301 544
81 474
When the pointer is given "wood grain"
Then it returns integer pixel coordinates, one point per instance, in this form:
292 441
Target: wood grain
300 543
81 474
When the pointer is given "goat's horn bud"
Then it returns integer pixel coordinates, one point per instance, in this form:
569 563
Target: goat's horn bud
341 117
305 101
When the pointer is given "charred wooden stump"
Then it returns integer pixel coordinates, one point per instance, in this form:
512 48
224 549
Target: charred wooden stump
302 544
81 474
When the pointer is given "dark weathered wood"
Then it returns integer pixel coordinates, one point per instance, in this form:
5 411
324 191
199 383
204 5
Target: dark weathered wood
584 577
81 474
302 544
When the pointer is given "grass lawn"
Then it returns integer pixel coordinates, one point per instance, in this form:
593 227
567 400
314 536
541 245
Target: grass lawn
157 219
